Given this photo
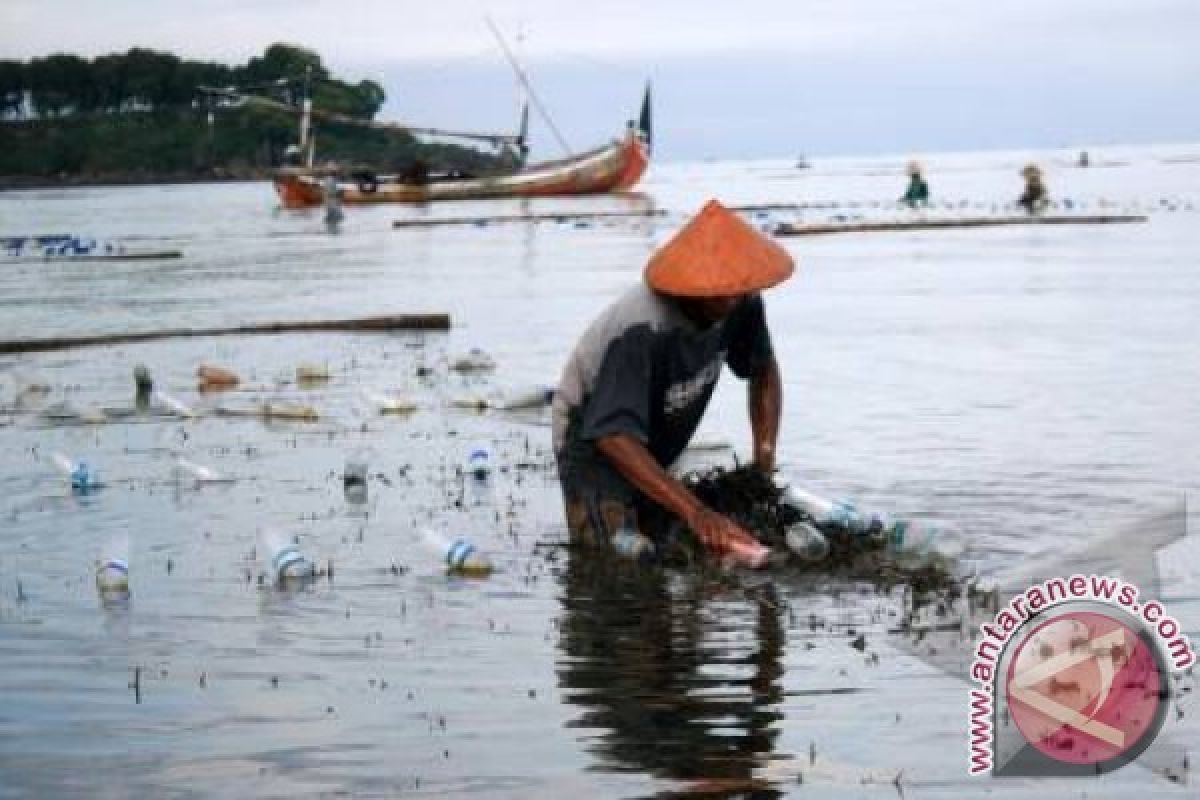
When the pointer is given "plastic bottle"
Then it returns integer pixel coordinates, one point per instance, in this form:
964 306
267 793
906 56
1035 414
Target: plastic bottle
461 557
387 403
835 513
190 470
174 406
479 463
629 543
354 477
514 398
912 541
112 568
282 558
77 472
808 543
922 542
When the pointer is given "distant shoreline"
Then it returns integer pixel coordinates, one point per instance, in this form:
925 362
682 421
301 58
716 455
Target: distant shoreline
18 183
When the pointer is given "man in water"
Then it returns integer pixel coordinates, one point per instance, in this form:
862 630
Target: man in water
918 190
639 381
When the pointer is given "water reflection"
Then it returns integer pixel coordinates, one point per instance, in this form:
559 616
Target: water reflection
674 676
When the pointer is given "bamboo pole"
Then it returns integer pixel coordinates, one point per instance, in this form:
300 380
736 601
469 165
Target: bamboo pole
933 224
559 216
403 322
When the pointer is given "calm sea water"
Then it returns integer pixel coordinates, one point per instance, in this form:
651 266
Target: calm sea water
1036 386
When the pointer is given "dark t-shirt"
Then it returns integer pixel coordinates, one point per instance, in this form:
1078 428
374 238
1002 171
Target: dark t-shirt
645 369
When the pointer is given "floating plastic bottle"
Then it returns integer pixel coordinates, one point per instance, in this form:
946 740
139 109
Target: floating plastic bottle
190 470
77 472
908 540
212 377
112 568
479 463
808 543
920 541
514 398
835 513
282 558
312 374
173 405
294 411
389 403
460 556
474 360
631 544
354 477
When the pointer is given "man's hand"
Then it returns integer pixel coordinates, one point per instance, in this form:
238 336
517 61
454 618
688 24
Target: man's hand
719 533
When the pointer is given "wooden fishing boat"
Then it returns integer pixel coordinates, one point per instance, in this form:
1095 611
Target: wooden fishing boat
614 167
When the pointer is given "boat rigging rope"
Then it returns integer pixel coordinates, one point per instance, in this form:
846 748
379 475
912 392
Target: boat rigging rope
521 76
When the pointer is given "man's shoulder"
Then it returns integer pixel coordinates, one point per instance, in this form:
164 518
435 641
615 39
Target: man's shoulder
639 307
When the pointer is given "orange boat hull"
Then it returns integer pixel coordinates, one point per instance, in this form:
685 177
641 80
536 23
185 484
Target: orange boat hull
615 167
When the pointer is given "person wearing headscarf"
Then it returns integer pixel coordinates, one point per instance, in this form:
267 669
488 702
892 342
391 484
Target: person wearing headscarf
1035 198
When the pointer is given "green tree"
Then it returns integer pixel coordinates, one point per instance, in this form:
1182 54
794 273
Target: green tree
13 83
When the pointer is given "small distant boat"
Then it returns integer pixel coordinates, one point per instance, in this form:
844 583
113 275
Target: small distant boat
803 163
65 247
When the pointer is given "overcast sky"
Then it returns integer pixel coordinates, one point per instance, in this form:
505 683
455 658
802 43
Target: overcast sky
756 78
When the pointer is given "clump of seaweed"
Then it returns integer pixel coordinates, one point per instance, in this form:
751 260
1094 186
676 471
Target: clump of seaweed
751 497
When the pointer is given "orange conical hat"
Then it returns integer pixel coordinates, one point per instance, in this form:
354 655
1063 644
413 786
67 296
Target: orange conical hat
717 254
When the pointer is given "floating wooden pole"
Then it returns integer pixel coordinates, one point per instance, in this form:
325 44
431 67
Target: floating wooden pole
403 322
144 255
818 229
556 216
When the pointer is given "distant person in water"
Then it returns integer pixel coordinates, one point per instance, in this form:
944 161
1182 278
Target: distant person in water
918 190
1035 198
1084 159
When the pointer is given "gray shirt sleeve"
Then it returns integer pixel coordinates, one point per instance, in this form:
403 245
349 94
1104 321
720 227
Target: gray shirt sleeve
620 399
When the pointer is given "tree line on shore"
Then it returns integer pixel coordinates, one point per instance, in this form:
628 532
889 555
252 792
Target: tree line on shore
147 80
140 117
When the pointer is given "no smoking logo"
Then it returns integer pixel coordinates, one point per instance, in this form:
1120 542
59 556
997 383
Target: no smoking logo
1087 689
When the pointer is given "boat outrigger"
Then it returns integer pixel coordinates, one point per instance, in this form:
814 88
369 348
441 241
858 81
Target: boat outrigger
616 166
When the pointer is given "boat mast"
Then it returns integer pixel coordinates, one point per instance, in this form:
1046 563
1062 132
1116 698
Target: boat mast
307 139
524 79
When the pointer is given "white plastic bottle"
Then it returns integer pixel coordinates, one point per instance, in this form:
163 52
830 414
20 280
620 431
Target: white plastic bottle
169 403
112 568
836 513
633 545
460 556
918 541
282 559
515 398
198 473
808 543
479 463
81 477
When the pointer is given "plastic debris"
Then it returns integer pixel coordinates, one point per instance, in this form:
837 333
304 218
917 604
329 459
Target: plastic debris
460 556
474 360
80 476
214 378
282 559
